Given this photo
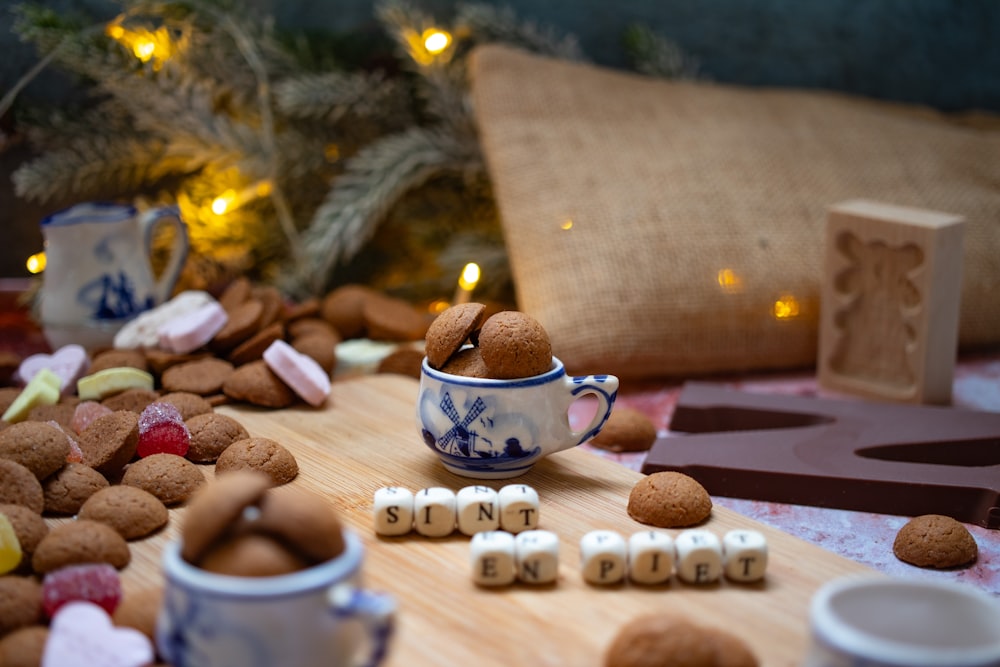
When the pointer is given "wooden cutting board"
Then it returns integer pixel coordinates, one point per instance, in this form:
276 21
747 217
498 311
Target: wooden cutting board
366 438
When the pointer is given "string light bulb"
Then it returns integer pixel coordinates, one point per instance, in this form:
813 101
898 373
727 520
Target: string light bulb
435 40
467 282
786 307
230 199
36 263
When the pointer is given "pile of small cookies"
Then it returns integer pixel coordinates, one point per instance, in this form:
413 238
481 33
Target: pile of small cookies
507 345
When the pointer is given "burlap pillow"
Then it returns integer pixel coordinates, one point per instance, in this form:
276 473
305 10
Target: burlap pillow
663 228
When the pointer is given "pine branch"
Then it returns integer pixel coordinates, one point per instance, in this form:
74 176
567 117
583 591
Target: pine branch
90 165
374 180
333 95
487 23
655 55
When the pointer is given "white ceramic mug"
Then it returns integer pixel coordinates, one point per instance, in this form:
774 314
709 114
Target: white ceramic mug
495 429
887 622
97 271
318 617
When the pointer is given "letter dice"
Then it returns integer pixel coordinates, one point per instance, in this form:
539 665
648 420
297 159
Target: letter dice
537 553
478 509
492 555
518 507
393 511
650 557
434 511
699 556
603 556
744 555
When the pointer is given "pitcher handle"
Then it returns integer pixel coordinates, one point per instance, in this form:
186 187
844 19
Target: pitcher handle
605 389
375 611
178 254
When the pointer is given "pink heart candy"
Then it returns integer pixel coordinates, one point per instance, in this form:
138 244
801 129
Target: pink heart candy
69 362
299 371
81 635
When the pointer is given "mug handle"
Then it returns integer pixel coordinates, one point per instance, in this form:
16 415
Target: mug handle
605 389
376 613
178 254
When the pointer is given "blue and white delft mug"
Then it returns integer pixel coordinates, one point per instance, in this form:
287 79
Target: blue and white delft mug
496 429
98 273
317 617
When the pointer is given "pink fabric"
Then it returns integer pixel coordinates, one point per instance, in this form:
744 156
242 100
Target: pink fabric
861 536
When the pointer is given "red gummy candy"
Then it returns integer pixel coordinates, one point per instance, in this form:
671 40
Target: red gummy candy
162 431
92 582
85 413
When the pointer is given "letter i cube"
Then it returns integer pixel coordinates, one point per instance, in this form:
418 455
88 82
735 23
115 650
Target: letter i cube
699 556
393 511
603 556
478 509
492 555
744 555
537 553
650 557
434 511
518 507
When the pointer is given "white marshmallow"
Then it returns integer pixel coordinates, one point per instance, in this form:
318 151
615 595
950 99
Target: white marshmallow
603 557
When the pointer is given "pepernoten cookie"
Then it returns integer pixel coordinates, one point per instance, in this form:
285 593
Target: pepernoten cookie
19 486
29 527
467 362
669 500
133 400
110 442
210 435
261 455
450 330
627 430
133 512
188 404
171 478
67 490
658 640
216 507
935 541
38 446
514 345
25 647
203 376
78 542
256 384
20 603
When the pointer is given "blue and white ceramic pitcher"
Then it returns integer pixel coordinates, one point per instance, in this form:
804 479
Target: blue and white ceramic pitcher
98 274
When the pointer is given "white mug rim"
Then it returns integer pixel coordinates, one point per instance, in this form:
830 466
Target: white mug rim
178 572
91 211
556 371
832 630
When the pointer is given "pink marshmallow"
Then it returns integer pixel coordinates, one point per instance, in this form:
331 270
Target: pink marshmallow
186 333
299 371
69 362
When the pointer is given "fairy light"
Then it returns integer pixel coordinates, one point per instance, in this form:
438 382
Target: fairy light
467 282
786 307
436 41
230 199
566 225
148 46
437 306
729 280
36 263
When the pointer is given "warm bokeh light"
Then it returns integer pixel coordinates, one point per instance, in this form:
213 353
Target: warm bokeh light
786 308
566 225
437 306
223 202
436 41
470 276
148 46
36 263
729 281
144 49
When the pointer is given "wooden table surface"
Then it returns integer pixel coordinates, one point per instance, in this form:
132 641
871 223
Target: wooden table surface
365 438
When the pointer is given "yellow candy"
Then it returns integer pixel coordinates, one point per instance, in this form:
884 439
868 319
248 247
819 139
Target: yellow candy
110 381
43 389
10 546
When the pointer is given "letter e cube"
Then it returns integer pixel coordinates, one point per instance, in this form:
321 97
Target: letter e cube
699 556
492 558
